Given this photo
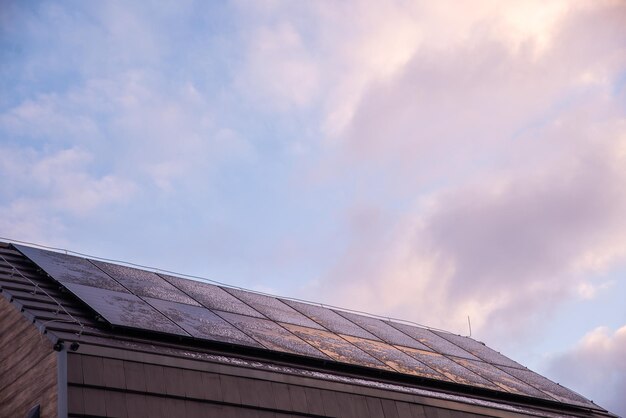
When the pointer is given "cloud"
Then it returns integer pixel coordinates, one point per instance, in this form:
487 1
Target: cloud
46 117
595 366
137 124
338 52
58 182
24 219
41 190
477 155
508 143
449 107
505 246
280 71
111 112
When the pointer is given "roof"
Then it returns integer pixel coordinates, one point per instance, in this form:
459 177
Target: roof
74 298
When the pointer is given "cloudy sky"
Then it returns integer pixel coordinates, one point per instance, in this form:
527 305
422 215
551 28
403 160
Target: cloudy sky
422 160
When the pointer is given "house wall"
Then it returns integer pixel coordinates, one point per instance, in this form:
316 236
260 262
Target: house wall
135 385
28 366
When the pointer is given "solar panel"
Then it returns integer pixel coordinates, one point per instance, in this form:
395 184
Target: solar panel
547 386
336 347
271 335
201 323
124 309
383 330
211 296
330 320
273 308
144 283
432 340
501 378
480 350
449 368
394 358
70 269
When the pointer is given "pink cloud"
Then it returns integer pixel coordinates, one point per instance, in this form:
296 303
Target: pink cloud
512 152
505 246
596 366
448 108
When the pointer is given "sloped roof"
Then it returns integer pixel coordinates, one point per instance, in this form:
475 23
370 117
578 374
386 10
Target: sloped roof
160 306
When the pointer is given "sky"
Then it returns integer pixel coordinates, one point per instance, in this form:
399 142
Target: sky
420 160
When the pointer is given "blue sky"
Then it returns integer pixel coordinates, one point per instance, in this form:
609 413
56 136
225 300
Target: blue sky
423 160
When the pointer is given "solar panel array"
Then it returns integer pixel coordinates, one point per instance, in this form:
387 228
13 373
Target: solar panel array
138 299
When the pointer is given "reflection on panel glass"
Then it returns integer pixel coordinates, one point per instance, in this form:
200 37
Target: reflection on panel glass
273 308
69 269
556 391
383 330
336 347
211 296
500 378
480 350
432 340
330 320
124 309
448 368
144 283
271 335
394 358
201 323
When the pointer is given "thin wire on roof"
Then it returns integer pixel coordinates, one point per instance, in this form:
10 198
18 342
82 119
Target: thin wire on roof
42 290
211 281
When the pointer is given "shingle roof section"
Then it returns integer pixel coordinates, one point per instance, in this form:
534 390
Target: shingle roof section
139 300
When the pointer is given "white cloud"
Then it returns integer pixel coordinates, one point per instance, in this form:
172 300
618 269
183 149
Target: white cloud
25 220
57 183
113 106
280 71
45 117
136 123
40 191
596 367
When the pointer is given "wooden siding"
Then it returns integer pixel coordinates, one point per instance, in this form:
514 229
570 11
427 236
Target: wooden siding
108 387
28 366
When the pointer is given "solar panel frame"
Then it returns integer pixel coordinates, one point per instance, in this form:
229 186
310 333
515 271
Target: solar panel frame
330 319
125 309
549 387
501 378
432 340
211 296
202 323
479 350
144 283
271 335
273 308
383 330
395 358
336 347
453 371
70 269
